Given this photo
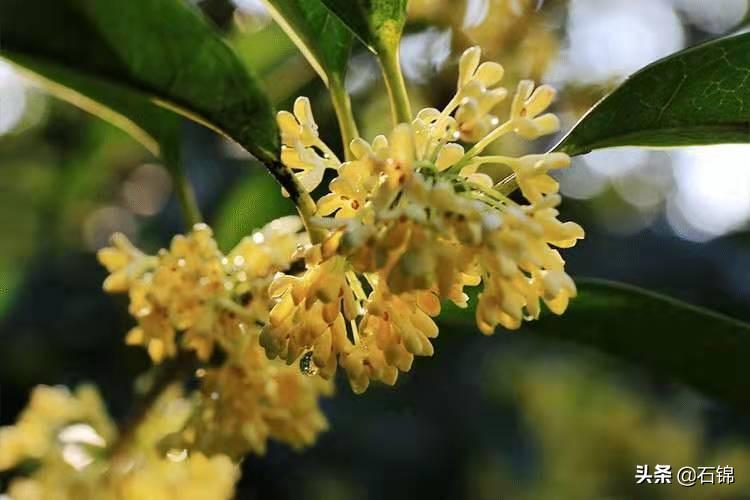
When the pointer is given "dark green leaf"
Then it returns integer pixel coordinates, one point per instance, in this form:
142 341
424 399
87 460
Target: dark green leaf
700 348
378 23
161 51
745 20
698 96
319 34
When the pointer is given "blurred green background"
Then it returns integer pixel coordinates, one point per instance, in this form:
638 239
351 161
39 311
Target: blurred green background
506 417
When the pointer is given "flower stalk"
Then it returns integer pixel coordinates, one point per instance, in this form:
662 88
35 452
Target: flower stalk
164 375
343 108
300 197
183 189
394 83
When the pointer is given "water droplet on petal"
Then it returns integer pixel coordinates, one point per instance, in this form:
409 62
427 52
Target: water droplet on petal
176 455
306 364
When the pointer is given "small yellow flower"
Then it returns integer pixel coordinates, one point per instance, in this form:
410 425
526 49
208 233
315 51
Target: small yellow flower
478 95
69 433
302 150
394 330
311 312
39 432
251 399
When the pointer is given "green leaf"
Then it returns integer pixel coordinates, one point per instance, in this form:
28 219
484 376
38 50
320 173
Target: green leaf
249 205
698 96
703 349
124 57
156 128
378 23
320 35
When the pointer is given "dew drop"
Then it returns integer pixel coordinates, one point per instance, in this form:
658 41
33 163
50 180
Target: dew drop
176 455
143 311
306 364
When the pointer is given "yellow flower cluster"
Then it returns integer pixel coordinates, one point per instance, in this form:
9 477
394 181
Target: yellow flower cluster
244 402
417 218
194 289
52 414
67 438
194 298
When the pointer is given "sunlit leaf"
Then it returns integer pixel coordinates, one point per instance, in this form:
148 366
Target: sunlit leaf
320 35
123 57
378 23
698 96
125 107
681 342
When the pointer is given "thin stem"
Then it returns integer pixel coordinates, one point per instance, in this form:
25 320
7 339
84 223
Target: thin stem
165 375
492 193
300 197
183 189
342 105
394 83
453 104
507 185
328 153
478 195
187 200
504 160
481 145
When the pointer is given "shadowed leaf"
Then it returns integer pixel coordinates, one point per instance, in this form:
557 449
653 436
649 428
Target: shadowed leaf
689 344
324 40
125 57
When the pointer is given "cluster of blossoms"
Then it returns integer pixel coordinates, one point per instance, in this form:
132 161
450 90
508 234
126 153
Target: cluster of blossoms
65 438
409 222
191 297
415 220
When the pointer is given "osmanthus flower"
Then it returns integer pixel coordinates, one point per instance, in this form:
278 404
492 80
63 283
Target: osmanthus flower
250 399
303 150
146 470
57 425
174 291
416 218
68 436
205 301
193 296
